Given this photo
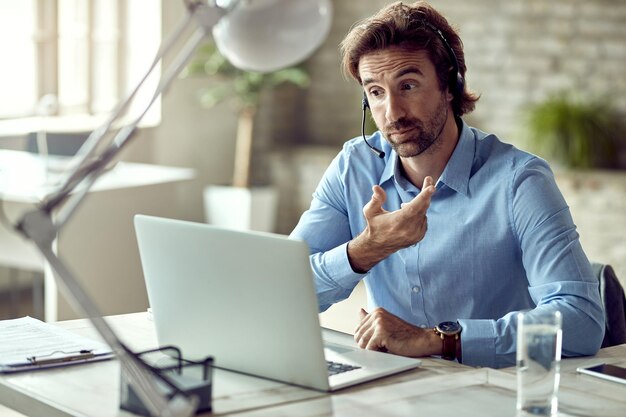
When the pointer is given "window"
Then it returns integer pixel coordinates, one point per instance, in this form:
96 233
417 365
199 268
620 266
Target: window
18 87
74 58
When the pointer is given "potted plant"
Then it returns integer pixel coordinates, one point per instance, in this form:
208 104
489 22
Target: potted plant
578 134
239 205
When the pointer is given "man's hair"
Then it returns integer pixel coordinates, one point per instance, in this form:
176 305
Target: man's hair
407 26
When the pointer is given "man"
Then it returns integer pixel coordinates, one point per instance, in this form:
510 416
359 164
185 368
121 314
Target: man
452 230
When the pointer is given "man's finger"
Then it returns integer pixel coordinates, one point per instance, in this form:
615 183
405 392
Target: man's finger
363 318
428 181
365 337
374 344
375 205
422 201
358 330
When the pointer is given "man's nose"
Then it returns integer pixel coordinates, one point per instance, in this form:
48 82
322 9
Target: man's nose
395 109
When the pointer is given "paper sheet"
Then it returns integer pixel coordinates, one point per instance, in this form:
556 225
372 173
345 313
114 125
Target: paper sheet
27 337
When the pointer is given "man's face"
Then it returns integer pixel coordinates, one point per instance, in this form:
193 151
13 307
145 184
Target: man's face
405 99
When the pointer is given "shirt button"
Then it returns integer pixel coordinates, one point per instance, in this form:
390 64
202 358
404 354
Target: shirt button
415 289
423 326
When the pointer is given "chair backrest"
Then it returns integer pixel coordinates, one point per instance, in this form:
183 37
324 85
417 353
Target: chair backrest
614 303
65 144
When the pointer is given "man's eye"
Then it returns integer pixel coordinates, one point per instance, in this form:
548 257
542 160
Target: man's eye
408 86
375 93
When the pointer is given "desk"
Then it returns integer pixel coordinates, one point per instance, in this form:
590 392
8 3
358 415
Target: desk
98 243
438 388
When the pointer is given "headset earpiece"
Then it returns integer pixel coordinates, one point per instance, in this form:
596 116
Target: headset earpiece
458 84
365 103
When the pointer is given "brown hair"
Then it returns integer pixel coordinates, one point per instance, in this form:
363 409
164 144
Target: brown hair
413 27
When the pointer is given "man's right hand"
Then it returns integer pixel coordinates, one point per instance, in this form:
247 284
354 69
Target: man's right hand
389 231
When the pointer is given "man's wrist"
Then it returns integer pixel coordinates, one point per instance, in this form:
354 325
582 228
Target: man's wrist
361 256
353 259
436 343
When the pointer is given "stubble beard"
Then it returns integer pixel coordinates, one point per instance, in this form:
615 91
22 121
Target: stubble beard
426 134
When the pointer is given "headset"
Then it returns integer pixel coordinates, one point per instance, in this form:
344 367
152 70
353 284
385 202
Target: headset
456 83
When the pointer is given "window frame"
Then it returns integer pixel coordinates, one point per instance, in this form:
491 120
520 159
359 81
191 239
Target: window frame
93 109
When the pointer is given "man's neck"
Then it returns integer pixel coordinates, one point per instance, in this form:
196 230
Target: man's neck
433 161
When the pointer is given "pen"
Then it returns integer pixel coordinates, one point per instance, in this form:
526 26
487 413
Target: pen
81 355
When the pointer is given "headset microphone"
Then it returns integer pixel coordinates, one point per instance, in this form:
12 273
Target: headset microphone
376 151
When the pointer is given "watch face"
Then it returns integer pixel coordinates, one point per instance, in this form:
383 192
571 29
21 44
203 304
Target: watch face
449 327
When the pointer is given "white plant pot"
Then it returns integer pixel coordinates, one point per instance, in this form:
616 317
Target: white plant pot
241 208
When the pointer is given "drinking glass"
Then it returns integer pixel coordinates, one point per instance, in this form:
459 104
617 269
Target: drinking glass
539 337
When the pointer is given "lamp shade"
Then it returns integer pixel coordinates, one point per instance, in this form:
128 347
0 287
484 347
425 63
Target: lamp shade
267 35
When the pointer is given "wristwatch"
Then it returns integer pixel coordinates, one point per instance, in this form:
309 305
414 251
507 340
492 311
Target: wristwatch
449 332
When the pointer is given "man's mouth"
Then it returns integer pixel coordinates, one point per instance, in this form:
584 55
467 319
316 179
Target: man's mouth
399 134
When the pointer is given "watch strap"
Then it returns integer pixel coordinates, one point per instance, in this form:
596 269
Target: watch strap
449 346
450 341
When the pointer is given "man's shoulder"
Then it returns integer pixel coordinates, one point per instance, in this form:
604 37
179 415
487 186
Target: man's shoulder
356 153
492 150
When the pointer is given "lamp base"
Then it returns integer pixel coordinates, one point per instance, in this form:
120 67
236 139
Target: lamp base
185 378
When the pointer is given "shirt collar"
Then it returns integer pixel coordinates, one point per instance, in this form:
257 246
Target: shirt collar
390 167
456 173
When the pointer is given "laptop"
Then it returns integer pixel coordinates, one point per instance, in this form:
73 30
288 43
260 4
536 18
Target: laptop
248 299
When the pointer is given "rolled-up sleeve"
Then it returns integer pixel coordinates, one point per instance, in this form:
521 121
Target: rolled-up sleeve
559 274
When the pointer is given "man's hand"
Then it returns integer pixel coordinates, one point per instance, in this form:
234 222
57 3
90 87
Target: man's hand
389 231
382 331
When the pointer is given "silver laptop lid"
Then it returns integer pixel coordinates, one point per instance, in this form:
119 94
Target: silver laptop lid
245 298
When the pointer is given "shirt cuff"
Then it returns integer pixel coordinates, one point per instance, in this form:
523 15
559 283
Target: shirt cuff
343 274
478 342
334 277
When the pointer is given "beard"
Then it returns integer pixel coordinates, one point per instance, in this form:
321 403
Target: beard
416 135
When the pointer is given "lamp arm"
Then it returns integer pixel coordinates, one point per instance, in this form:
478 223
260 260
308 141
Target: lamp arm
125 134
38 225
88 161
90 145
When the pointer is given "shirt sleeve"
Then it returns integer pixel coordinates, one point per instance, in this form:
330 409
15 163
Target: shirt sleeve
326 229
558 272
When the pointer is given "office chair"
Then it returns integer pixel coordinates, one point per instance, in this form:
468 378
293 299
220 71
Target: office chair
65 144
614 303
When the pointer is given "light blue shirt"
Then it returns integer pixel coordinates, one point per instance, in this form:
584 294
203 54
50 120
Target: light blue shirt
500 239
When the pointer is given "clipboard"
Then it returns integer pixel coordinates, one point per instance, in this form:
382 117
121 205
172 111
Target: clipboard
29 344
54 361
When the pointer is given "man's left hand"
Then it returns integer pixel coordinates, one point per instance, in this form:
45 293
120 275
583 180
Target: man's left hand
381 330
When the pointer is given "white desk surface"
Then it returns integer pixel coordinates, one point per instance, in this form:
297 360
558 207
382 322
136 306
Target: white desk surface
438 388
26 177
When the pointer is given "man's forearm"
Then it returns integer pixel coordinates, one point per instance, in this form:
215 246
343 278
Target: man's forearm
363 255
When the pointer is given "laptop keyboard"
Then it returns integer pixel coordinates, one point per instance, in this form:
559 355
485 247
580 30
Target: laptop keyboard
335 368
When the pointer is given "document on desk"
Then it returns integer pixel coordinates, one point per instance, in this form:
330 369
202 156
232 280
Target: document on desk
27 344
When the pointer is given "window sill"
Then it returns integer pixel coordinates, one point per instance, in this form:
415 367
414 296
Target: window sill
61 124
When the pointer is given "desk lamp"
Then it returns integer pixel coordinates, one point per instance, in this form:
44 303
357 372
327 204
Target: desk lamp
255 35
